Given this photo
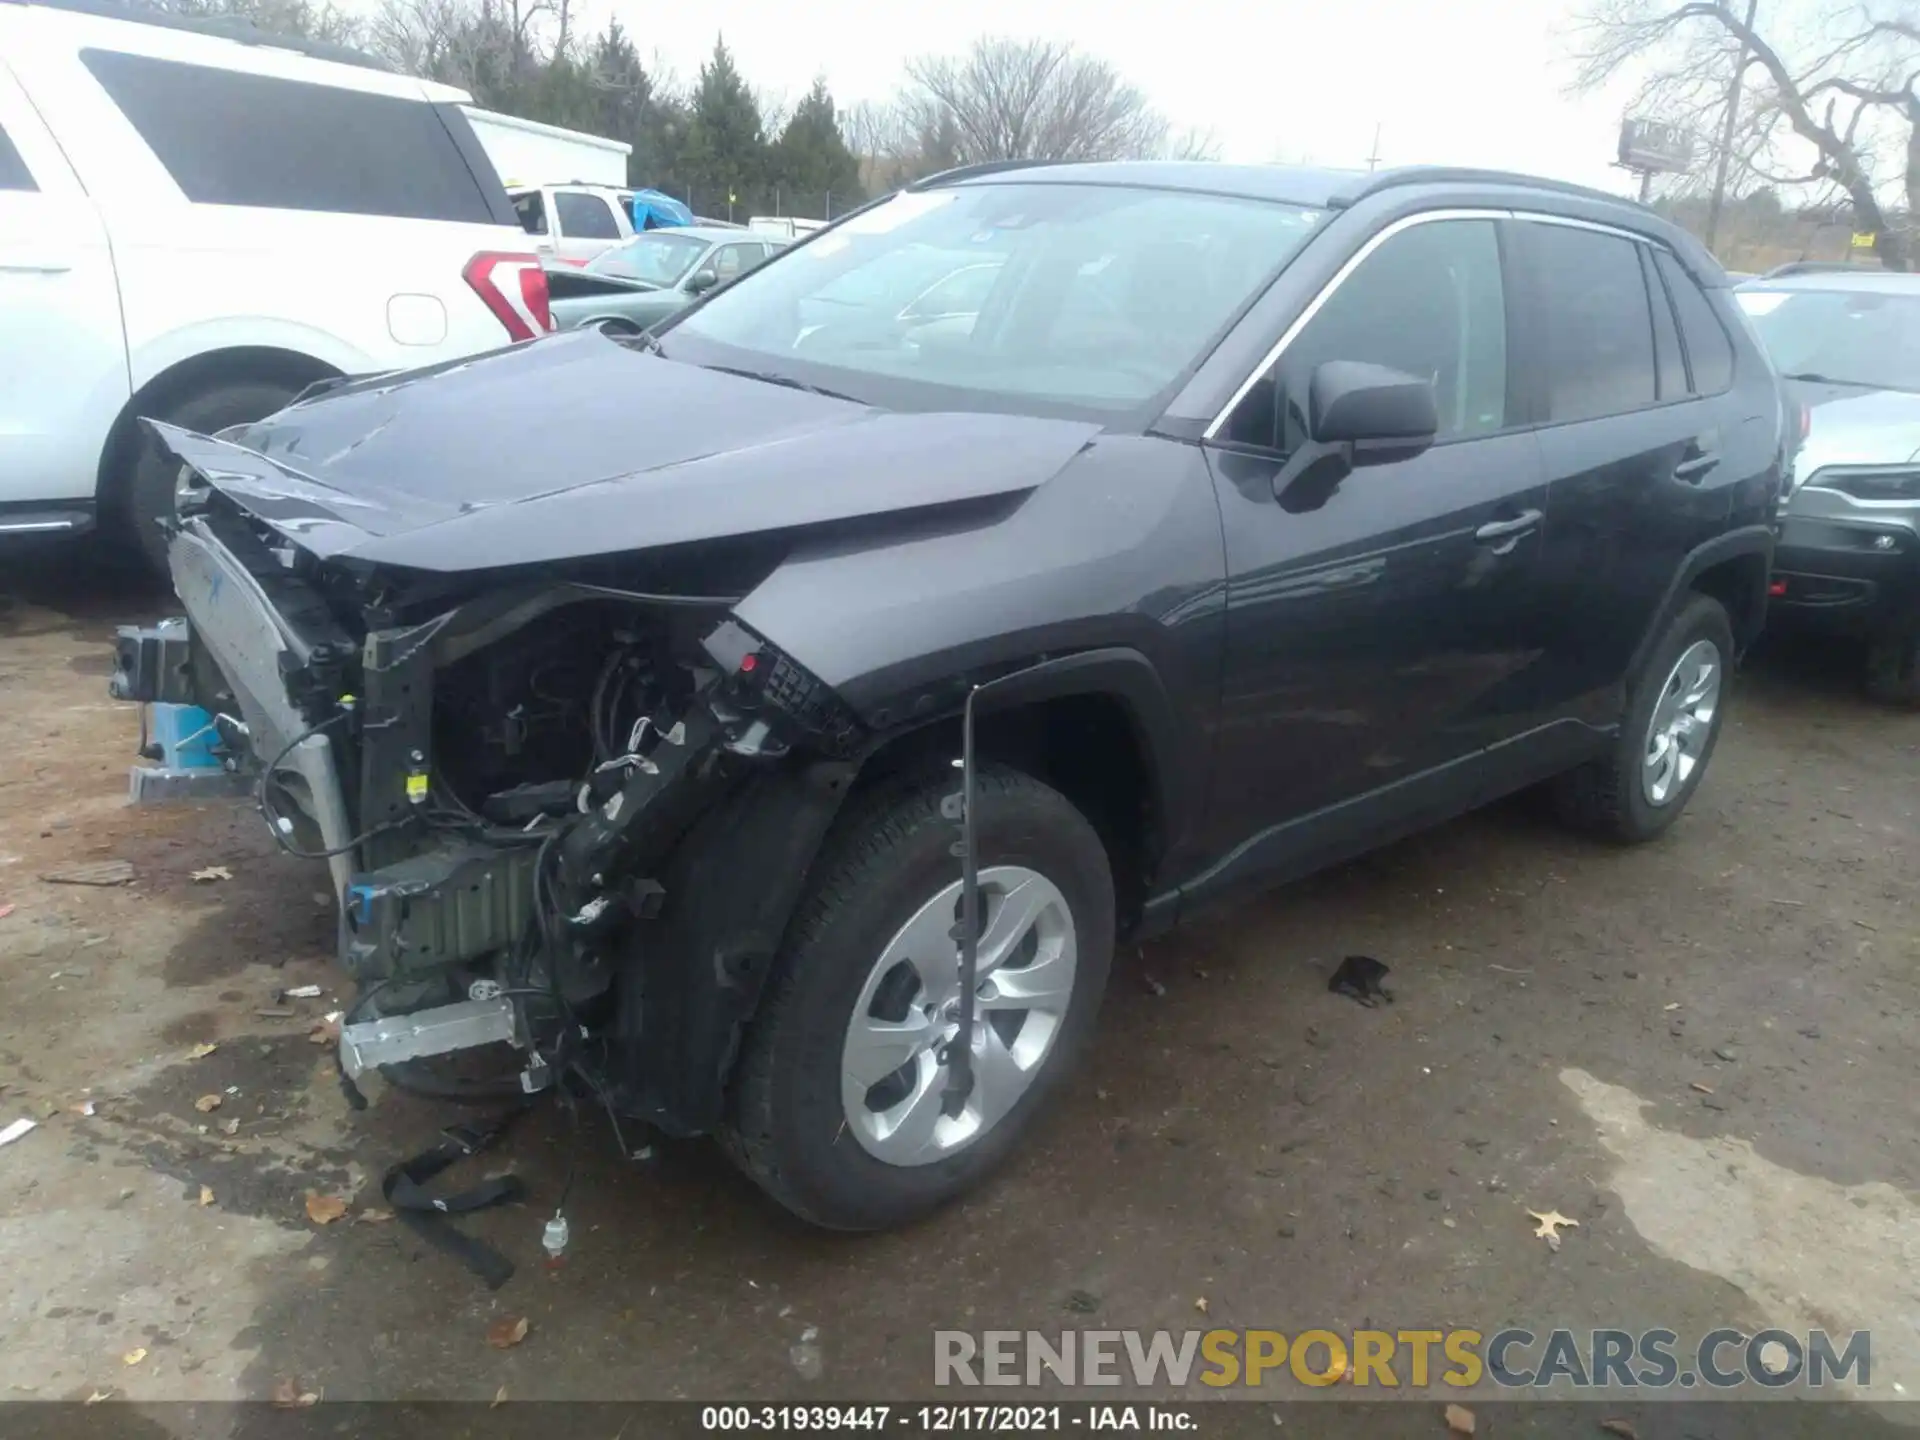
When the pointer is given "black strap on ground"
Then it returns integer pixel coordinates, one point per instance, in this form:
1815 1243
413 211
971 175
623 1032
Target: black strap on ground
427 1215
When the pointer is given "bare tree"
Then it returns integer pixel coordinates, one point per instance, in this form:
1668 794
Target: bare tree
305 19
1031 99
1832 86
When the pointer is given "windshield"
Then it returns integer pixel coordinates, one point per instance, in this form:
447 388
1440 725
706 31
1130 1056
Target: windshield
1869 338
1085 296
658 257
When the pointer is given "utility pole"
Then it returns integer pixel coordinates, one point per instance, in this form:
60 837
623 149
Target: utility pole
1374 158
1726 131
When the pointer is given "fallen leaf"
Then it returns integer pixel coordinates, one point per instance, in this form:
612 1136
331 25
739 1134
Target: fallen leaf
374 1217
134 1357
1703 1089
324 1209
1201 1304
213 872
505 1334
1623 1428
201 1051
1459 1420
97 1396
207 1104
287 1395
206 1196
1548 1228
499 1397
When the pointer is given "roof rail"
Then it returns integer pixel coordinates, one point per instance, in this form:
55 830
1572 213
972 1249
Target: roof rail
968 172
1820 267
237 29
1457 174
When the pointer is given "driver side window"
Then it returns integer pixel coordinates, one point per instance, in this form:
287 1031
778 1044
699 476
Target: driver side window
1429 301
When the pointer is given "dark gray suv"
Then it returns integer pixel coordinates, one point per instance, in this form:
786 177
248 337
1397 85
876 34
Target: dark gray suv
1246 519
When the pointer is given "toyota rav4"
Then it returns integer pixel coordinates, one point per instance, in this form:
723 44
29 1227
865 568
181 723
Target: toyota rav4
772 724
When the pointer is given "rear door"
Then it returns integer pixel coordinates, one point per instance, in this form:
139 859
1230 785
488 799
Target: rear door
1632 446
1371 628
63 354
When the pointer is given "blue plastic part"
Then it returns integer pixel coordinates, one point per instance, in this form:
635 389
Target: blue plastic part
186 737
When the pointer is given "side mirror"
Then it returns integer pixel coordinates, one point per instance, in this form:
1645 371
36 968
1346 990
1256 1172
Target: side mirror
1384 414
702 281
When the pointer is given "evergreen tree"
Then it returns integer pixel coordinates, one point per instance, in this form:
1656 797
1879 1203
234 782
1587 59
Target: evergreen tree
726 150
811 161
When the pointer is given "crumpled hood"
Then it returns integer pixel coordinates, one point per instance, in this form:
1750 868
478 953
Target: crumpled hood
1851 426
578 446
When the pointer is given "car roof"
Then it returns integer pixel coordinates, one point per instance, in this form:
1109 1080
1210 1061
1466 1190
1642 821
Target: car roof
1292 184
1861 281
710 233
238 28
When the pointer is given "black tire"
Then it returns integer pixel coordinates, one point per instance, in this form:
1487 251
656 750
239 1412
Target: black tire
885 859
1893 666
149 495
1604 797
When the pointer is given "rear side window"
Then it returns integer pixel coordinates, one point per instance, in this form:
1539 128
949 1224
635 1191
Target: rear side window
1709 352
1595 320
1430 302
1671 363
531 212
13 170
234 139
585 217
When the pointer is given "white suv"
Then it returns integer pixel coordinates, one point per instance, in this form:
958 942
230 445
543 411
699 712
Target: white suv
199 221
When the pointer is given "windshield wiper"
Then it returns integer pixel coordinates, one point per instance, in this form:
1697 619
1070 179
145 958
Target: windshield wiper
644 340
786 380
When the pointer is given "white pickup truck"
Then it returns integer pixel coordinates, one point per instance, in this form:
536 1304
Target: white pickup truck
197 222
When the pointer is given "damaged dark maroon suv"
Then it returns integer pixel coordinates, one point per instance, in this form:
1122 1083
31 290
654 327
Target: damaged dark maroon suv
1203 525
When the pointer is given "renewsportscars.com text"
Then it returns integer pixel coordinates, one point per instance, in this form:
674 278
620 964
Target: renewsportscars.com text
1392 1359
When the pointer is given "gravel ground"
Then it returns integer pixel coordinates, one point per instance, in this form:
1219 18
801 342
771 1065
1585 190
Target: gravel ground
1701 1050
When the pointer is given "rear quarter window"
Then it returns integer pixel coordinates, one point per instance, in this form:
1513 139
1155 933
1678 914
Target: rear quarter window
1709 351
229 138
13 170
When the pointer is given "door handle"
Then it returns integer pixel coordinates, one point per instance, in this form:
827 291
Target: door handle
1694 467
1507 533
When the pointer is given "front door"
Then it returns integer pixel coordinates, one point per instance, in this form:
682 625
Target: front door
1372 628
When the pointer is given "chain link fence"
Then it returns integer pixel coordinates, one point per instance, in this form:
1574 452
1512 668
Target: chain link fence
775 200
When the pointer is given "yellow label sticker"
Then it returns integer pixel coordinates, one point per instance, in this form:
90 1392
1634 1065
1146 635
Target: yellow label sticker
416 788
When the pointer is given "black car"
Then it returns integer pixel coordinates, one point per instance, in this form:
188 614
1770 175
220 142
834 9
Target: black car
634 689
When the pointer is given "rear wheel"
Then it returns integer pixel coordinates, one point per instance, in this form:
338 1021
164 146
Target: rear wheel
836 1107
152 489
1674 712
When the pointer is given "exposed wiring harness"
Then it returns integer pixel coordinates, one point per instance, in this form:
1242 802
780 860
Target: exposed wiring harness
280 828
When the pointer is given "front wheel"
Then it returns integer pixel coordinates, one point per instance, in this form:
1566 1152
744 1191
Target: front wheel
1893 665
1674 713
836 1108
153 489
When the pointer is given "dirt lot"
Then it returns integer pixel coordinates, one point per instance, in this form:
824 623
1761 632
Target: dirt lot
1701 1050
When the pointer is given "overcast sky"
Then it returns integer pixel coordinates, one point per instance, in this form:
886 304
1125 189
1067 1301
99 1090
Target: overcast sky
1470 82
